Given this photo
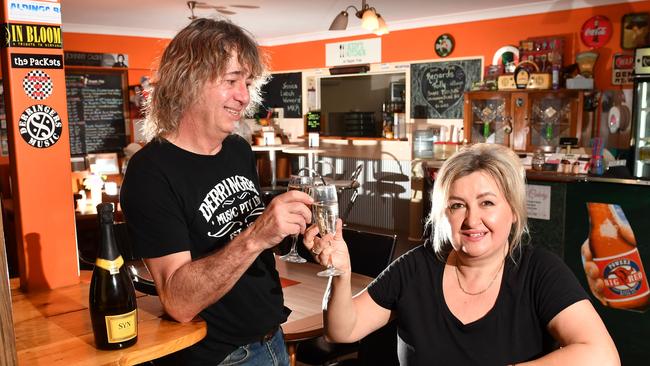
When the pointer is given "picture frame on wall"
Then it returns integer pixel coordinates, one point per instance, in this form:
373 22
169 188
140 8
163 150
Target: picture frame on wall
397 91
635 30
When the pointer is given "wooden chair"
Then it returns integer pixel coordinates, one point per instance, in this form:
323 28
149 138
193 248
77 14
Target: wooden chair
370 253
142 280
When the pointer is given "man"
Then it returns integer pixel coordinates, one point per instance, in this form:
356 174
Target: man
191 200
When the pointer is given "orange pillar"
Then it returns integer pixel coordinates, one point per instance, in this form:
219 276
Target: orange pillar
39 143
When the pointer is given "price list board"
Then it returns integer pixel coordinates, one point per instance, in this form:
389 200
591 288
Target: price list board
96 111
283 91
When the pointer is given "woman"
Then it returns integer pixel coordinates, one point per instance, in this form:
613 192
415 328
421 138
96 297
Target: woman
473 294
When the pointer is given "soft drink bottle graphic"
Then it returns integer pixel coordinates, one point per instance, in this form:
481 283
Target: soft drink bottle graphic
615 252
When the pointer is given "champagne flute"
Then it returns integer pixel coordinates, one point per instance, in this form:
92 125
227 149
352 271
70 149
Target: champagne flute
297 183
326 211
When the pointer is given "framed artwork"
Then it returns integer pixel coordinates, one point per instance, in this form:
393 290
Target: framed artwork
444 45
635 32
397 91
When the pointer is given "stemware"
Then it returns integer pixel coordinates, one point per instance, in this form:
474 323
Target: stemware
326 211
298 183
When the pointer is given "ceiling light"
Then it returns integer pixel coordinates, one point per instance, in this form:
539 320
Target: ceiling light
382 28
370 20
340 22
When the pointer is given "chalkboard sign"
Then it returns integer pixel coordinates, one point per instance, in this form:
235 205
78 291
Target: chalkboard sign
96 110
283 91
437 87
313 122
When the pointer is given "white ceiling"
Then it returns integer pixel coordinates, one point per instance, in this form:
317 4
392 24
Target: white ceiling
289 21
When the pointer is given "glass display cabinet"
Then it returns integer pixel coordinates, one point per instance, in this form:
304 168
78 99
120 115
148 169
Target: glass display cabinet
488 117
524 120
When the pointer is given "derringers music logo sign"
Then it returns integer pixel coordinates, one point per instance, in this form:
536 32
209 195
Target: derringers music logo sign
40 126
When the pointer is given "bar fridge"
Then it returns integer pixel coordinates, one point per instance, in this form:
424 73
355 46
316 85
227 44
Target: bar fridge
639 160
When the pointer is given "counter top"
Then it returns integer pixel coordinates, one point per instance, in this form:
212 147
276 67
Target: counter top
53 327
534 175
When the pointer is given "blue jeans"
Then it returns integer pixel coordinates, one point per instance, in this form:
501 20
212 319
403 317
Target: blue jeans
269 353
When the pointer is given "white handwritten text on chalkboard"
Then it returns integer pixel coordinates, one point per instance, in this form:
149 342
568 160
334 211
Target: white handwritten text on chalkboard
284 91
442 86
437 88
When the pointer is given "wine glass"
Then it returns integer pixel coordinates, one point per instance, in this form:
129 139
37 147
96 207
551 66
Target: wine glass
297 183
326 211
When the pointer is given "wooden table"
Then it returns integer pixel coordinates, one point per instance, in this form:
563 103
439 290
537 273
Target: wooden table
53 327
305 300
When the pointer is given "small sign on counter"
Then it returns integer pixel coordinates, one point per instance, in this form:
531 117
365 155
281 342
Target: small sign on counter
538 201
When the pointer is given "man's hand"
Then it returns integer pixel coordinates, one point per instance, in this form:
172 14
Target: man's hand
287 214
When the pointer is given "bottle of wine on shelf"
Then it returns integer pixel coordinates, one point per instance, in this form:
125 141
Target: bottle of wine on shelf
112 303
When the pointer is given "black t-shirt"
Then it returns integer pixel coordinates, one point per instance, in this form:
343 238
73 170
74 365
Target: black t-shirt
173 201
532 292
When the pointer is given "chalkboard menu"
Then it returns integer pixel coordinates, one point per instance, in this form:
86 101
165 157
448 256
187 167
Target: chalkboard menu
437 87
313 122
283 91
96 110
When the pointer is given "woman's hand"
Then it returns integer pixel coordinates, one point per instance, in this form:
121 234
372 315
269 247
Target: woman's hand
330 248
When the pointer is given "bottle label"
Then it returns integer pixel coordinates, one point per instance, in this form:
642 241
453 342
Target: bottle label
122 327
113 267
624 276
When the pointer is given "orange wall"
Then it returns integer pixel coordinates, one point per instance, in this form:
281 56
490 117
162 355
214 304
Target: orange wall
143 52
480 38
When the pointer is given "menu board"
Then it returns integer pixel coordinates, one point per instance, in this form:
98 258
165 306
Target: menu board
313 121
283 91
437 87
96 110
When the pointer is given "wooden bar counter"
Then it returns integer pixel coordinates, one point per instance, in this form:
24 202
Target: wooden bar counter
53 327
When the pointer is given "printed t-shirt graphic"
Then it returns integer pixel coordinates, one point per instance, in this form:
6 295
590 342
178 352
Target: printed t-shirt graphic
230 206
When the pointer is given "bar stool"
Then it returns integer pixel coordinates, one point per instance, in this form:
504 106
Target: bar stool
349 184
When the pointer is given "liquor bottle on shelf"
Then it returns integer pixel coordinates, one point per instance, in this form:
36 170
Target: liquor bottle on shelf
112 303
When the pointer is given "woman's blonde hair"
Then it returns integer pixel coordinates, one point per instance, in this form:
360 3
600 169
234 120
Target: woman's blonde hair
199 53
500 163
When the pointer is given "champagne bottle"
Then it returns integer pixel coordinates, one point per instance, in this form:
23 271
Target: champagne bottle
112 300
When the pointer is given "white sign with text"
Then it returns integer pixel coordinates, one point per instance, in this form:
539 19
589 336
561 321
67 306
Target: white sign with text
365 51
538 201
35 11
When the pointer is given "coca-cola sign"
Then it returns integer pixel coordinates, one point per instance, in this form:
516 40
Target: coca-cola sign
622 69
596 31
